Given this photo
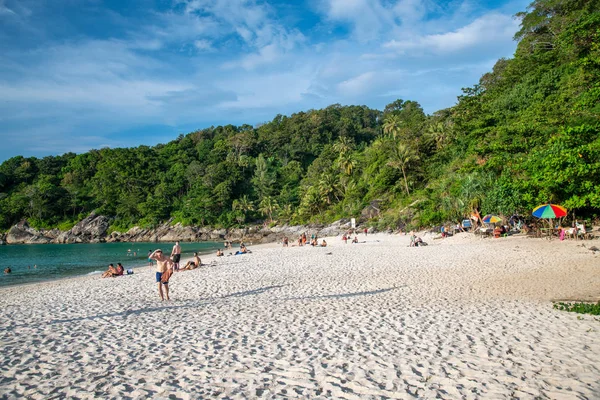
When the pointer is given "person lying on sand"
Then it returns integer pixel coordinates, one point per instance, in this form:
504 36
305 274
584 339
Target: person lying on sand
220 253
323 243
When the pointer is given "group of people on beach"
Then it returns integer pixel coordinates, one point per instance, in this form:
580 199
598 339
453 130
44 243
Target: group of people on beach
302 240
165 266
113 272
345 238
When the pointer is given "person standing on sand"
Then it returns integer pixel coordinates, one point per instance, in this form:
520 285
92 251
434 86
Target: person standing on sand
176 255
163 263
366 230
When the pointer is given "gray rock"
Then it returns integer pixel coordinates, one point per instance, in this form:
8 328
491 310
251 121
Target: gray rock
372 210
22 233
94 226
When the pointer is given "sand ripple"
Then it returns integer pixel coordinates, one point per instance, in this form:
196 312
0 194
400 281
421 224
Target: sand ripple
461 319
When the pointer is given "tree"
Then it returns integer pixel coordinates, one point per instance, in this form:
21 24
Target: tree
268 206
392 125
263 179
244 206
401 157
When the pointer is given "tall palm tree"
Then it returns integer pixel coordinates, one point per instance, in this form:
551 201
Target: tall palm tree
328 186
244 205
400 158
268 206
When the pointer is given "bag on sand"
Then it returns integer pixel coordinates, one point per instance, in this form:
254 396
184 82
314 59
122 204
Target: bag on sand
166 275
129 271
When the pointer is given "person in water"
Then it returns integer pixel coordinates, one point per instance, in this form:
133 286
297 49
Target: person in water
7 270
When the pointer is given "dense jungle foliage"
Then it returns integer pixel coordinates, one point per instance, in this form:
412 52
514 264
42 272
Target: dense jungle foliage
527 133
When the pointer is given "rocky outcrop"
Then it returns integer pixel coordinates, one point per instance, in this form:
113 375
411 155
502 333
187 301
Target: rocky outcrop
89 230
94 228
22 233
372 210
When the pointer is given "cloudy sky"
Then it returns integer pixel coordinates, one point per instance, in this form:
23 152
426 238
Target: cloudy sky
82 74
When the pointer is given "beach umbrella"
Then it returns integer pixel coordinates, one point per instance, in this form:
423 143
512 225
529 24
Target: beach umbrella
491 219
549 211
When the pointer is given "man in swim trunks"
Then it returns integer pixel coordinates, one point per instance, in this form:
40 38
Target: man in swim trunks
176 255
163 263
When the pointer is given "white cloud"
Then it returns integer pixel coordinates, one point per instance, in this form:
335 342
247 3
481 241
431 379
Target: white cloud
357 85
485 30
203 44
368 17
4 9
237 61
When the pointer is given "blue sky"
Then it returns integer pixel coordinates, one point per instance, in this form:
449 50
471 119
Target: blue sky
82 74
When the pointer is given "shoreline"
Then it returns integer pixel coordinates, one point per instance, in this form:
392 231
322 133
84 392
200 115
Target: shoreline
93 274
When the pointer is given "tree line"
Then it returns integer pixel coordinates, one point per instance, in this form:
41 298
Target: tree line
526 134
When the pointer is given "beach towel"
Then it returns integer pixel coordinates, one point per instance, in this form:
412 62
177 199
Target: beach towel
166 275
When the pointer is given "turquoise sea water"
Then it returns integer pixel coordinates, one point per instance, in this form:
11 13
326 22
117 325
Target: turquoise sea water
55 261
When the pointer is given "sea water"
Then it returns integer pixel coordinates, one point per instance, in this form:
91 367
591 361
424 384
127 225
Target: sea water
41 262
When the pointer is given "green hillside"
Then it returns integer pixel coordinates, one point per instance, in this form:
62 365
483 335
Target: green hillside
527 133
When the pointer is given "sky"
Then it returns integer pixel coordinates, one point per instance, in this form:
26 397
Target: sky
77 75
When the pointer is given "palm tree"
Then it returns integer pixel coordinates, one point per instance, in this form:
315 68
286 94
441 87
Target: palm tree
438 132
392 125
244 205
268 206
328 186
343 145
347 162
400 158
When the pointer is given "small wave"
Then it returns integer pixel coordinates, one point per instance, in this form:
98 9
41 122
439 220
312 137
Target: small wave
94 272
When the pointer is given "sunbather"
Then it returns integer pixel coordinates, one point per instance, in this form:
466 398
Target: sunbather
110 272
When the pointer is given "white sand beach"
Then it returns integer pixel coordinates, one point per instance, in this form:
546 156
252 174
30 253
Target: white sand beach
462 318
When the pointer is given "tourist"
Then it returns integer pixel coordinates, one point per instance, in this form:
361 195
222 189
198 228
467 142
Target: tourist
345 238
323 243
192 264
120 270
355 239
164 269
285 242
242 250
110 272
366 231
176 255
7 270
150 263
413 239
219 253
